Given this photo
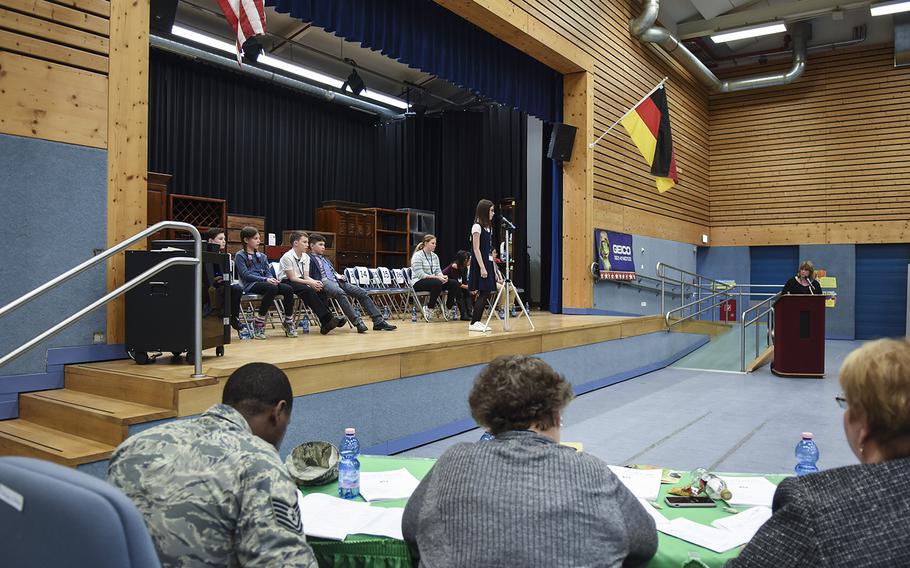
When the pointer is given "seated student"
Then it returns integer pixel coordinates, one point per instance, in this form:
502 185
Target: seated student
295 271
522 499
457 271
335 286
216 236
212 488
428 277
854 515
256 278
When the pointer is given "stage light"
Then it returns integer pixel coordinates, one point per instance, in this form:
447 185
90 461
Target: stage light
885 8
251 49
753 31
354 82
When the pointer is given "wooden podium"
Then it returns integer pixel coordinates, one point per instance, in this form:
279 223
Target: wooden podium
799 336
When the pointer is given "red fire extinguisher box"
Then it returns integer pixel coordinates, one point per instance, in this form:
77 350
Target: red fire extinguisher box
728 310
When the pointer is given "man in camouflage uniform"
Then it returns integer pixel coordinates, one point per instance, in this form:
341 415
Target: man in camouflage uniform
213 489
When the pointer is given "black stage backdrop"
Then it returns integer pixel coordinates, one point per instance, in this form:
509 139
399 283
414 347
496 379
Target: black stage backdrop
277 153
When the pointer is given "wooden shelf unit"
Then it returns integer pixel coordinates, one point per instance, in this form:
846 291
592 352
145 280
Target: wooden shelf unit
355 234
391 242
235 223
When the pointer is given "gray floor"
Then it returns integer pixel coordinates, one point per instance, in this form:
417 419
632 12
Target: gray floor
723 421
724 351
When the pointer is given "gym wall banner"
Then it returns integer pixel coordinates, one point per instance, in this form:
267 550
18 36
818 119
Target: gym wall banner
613 252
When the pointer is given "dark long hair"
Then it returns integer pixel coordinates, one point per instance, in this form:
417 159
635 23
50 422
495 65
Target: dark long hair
482 214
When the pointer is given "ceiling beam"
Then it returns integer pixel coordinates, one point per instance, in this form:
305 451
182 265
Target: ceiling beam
789 11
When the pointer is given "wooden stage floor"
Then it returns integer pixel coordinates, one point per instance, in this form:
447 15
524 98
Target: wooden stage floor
345 358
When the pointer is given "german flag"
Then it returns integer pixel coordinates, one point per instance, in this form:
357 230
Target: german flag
649 126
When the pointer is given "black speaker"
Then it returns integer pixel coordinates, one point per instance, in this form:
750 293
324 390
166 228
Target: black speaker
161 15
561 140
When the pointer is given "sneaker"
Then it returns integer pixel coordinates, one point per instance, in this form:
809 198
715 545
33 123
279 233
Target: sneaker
258 330
426 313
478 326
290 329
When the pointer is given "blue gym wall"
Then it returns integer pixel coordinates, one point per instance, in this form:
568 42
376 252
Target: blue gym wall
840 262
54 215
623 299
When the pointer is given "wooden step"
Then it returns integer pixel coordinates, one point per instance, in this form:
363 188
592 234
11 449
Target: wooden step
157 387
23 438
88 415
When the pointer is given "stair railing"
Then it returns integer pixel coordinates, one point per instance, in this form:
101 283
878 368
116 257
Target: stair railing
119 291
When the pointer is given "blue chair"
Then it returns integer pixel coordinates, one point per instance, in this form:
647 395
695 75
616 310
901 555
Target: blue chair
52 515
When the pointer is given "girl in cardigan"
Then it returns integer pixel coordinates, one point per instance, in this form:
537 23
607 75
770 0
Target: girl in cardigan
427 275
256 278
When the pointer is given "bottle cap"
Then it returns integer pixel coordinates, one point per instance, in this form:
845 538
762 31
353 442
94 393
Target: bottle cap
807 435
349 431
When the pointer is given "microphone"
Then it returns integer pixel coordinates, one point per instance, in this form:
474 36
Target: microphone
506 223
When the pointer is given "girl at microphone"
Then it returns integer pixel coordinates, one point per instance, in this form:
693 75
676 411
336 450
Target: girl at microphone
482 279
804 282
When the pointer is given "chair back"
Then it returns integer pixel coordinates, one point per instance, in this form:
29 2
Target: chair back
363 275
399 276
385 276
375 279
275 269
351 275
408 275
52 515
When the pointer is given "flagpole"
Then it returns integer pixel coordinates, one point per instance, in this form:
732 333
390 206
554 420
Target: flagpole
620 119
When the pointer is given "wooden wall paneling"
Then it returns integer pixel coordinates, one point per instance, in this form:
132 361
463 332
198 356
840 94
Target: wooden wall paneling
39 99
578 193
27 45
127 139
25 24
61 14
98 7
824 160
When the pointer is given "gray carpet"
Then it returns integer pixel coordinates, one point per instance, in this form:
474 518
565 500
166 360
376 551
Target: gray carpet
723 421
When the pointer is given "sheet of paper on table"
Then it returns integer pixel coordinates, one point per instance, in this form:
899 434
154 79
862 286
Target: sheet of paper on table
386 485
334 518
718 540
756 491
746 523
643 483
659 518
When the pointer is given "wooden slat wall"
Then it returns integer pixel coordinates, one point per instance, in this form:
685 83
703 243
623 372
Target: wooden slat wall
54 63
824 160
624 194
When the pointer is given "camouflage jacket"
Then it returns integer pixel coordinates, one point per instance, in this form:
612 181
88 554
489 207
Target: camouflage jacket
212 493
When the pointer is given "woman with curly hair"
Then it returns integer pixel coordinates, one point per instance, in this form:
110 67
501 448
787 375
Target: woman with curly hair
522 499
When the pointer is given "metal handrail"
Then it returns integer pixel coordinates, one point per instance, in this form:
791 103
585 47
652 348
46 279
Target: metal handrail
744 323
51 284
696 302
635 284
660 272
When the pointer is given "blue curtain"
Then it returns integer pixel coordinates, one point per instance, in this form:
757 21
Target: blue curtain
422 34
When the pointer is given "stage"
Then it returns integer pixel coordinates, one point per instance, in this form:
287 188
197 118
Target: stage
103 402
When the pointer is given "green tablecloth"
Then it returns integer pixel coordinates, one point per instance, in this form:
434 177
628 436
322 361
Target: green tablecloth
382 552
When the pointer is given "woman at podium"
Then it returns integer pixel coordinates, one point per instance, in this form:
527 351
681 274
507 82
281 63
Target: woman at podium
804 282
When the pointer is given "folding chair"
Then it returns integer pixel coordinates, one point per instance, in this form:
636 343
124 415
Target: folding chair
397 294
415 295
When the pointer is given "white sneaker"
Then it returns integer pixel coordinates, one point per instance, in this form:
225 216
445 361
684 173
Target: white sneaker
426 313
478 326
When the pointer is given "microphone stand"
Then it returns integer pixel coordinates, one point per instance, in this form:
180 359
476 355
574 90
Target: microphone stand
508 288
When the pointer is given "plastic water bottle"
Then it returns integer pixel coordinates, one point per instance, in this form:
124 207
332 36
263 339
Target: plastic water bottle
806 455
245 332
305 325
385 313
413 314
486 436
512 312
452 314
502 313
349 466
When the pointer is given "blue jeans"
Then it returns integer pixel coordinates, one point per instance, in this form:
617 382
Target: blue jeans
341 290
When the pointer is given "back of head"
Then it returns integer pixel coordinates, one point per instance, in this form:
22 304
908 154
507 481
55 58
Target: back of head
876 383
256 388
517 392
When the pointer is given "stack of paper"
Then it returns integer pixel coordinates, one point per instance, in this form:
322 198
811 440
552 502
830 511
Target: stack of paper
726 533
756 491
643 483
386 485
330 517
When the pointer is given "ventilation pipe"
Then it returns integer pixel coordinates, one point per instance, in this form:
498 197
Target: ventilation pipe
645 31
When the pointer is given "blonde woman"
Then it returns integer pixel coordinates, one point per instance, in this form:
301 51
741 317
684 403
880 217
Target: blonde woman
427 275
804 282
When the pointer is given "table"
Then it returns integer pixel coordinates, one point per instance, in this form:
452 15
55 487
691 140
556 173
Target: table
383 552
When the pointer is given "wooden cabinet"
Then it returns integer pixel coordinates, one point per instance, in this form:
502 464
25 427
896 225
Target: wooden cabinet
237 222
391 245
157 202
203 213
354 234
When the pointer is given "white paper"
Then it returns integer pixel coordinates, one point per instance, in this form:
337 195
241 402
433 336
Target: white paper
718 540
756 491
386 485
659 518
746 523
11 497
334 518
643 483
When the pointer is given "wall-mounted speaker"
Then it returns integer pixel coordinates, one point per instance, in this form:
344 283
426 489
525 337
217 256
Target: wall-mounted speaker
161 15
561 140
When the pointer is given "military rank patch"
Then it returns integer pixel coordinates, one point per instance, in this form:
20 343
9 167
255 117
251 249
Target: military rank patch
288 516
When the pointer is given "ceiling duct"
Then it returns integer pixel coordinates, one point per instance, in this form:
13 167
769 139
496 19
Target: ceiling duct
902 40
643 29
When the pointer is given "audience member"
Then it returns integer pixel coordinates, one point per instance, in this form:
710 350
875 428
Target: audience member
458 271
522 499
854 515
213 489
335 286
216 236
256 276
295 270
427 275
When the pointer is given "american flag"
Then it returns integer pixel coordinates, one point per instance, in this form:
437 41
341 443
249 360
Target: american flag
246 17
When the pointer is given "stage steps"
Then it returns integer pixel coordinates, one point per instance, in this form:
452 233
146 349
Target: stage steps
84 421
